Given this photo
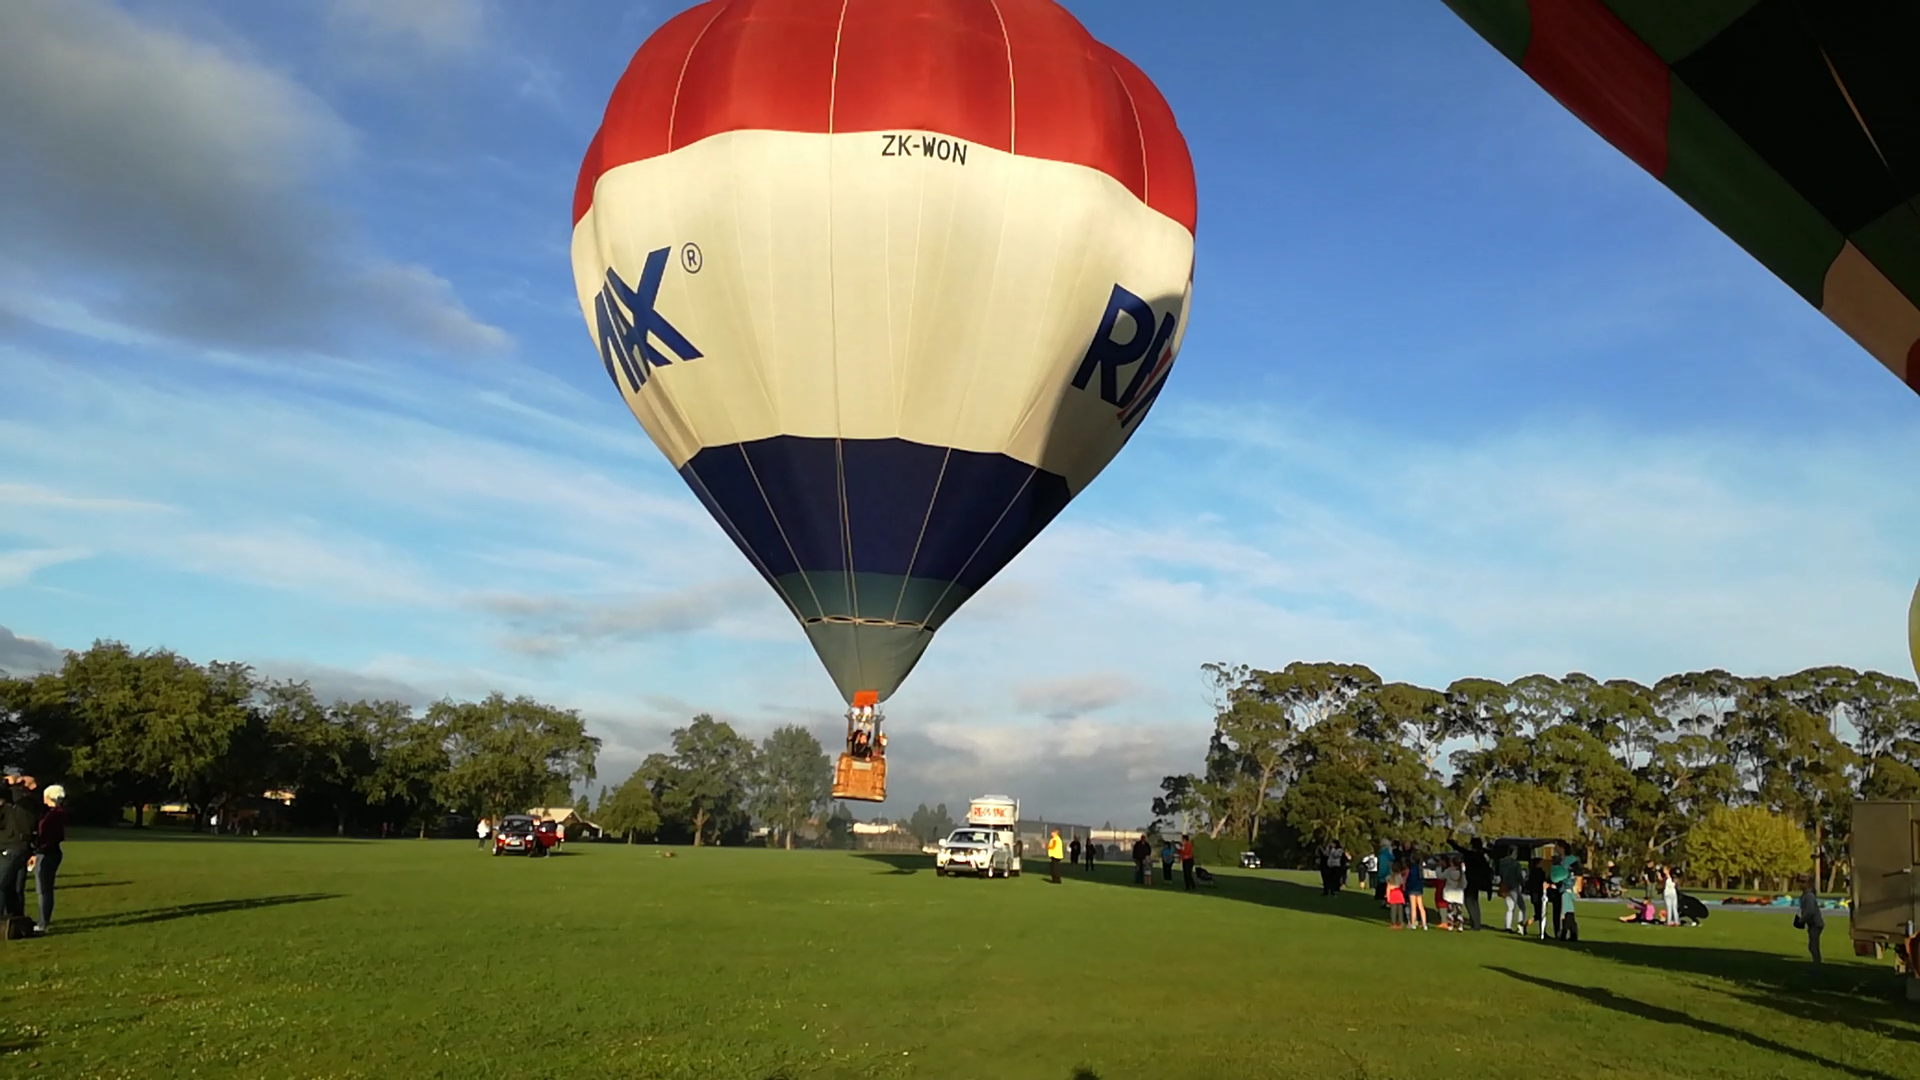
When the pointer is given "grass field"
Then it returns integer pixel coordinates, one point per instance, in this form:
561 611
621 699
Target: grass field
191 956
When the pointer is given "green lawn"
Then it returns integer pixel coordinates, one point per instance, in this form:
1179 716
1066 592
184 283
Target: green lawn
186 956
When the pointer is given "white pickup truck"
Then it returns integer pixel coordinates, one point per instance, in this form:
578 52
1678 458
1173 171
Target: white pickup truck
985 845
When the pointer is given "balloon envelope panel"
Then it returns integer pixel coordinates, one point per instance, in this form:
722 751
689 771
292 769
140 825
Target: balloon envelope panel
1913 630
1794 127
888 282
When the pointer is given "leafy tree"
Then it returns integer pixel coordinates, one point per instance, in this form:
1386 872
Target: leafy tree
407 759
1747 842
630 811
706 781
1335 802
323 754
1257 719
1477 709
1527 810
1783 732
1180 803
928 826
795 780
503 755
153 724
1412 716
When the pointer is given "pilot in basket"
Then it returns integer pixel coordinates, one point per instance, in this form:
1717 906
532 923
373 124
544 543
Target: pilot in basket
862 771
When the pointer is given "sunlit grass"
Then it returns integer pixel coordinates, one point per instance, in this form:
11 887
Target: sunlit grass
219 957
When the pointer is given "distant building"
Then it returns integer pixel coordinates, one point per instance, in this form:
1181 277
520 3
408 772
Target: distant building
568 818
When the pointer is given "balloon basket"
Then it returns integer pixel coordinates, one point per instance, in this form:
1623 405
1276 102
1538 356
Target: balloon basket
861 781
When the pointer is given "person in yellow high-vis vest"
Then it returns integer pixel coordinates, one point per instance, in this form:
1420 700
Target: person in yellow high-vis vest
1054 853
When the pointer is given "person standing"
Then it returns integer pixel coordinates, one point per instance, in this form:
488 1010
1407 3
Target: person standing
1454 892
45 862
17 824
1396 893
1054 852
1557 875
1569 929
1093 852
1512 889
1479 877
1140 854
485 829
1416 891
1670 894
1073 850
1811 918
1383 869
1186 860
1166 860
1537 893
1369 871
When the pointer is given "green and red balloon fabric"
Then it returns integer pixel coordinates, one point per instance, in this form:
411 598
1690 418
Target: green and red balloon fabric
1792 125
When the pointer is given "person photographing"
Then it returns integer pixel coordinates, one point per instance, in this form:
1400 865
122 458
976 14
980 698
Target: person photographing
17 824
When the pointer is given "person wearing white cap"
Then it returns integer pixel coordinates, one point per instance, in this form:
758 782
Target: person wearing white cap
47 838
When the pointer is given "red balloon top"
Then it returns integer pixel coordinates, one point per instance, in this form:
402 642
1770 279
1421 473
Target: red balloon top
1021 76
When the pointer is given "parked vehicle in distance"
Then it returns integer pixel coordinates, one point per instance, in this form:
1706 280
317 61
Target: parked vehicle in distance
520 834
1249 861
986 844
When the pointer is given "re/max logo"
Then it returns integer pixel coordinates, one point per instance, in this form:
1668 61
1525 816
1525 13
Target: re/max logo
625 324
1149 346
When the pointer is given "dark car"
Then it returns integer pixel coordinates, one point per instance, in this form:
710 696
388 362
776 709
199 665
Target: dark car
518 834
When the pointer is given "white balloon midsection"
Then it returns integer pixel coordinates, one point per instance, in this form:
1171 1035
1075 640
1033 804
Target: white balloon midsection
882 285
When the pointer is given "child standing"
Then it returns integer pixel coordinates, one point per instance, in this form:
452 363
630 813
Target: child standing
1453 893
1569 893
1416 891
1396 898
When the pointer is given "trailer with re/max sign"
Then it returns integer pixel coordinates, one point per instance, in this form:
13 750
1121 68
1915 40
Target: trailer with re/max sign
1885 846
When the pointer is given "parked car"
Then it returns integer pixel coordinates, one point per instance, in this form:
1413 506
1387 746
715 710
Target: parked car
519 834
1249 861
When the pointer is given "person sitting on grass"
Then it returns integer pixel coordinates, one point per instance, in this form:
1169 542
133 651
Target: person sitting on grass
1642 911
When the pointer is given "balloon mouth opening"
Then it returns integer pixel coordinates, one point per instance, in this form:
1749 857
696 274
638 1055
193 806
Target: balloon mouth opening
855 620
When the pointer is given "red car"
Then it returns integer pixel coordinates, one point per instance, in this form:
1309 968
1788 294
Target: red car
519 834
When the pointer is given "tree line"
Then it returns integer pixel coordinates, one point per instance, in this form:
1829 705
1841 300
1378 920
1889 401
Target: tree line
125 729
1690 769
140 729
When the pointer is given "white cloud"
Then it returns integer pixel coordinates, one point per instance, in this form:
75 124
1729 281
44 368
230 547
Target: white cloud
157 186
17 566
330 683
435 28
1073 696
550 624
1234 534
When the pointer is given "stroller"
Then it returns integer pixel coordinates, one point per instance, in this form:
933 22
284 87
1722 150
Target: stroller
1205 877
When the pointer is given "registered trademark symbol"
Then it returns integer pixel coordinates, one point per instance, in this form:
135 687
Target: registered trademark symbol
691 259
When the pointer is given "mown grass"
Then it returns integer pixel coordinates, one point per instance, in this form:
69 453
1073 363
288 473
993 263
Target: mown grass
187 956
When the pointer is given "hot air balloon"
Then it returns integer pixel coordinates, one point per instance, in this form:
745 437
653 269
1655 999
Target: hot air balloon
1913 630
888 282
1792 125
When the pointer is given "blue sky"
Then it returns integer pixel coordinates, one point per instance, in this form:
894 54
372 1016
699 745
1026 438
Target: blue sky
291 373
